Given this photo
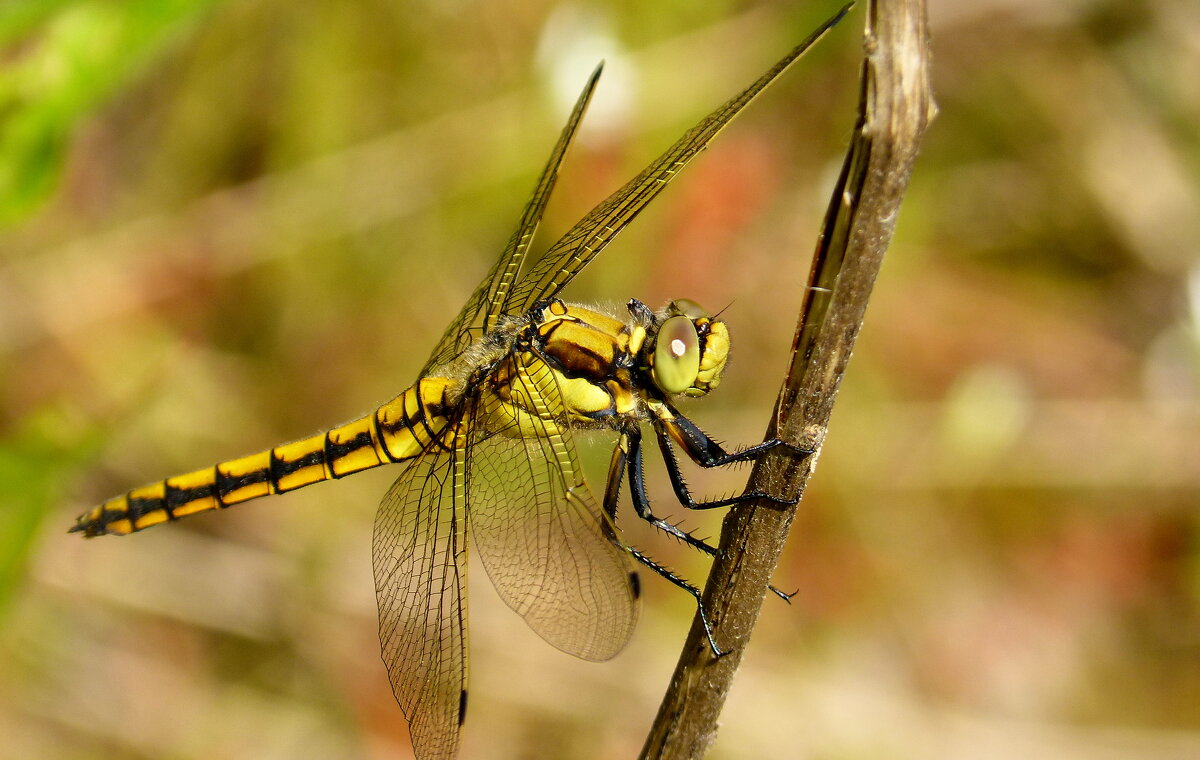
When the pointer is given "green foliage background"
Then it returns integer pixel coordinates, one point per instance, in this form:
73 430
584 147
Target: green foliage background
229 223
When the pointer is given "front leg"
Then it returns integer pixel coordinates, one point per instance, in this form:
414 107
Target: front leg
669 426
628 454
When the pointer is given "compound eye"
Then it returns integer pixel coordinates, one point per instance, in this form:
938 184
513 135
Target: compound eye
688 308
676 355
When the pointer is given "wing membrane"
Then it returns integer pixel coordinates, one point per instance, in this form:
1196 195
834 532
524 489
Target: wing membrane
566 258
492 293
420 561
539 533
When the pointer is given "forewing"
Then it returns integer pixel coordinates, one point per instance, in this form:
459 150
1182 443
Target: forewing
539 532
566 258
486 304
420 560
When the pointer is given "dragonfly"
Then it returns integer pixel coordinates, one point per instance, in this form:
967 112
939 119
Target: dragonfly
486 437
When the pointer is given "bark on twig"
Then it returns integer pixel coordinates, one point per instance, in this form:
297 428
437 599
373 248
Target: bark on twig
895 107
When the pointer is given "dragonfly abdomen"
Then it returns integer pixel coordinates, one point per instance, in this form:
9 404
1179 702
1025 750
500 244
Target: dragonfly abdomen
399 430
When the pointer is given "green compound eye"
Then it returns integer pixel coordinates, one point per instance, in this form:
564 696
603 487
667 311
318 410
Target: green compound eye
676 355
688 308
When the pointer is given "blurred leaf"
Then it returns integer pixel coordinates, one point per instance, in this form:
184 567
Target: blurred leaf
64 59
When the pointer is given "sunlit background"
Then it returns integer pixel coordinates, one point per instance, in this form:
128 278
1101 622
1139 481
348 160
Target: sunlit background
227 224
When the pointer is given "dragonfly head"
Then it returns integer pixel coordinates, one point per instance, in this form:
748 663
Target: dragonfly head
687 349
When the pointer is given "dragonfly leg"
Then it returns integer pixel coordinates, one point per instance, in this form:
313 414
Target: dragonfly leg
612 492
628 453
612 487
631 441
688 587
706 452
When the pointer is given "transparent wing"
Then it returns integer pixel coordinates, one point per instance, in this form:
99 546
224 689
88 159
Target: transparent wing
539 532
420 560
492 293
566 258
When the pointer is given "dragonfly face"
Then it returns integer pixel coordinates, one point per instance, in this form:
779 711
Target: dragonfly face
485 437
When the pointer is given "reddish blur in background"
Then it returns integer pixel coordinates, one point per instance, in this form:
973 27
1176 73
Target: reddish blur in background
230 224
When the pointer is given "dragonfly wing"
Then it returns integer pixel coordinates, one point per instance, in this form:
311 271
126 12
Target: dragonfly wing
492 293
567 257
420 561
539 532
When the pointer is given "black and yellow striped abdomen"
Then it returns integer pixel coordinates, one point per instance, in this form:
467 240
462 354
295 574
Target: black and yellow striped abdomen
399 430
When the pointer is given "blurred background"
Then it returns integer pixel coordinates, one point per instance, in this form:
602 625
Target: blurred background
225 224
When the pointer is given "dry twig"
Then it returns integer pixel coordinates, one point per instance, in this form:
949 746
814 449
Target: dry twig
895 107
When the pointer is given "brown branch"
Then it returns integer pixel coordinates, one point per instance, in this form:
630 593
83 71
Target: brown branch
895 107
